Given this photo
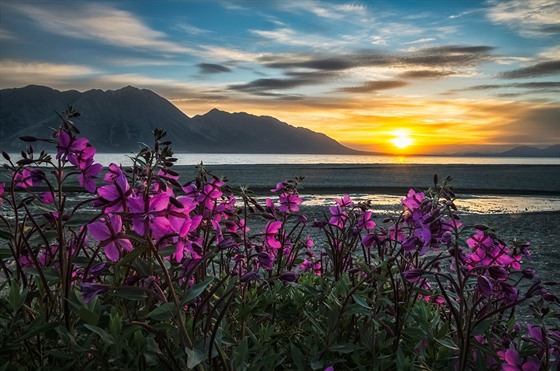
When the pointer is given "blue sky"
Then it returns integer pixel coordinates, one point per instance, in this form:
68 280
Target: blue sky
449 75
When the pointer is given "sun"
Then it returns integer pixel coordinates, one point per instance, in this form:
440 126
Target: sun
401 139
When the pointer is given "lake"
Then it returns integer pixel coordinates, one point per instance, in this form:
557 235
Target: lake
262 159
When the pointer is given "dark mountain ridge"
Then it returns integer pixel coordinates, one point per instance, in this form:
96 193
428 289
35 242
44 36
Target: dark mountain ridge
118 120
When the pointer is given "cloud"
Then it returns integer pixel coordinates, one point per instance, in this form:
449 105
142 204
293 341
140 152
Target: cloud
536 70
425 74
531 18
7 35
210 68
324 10
370 86
100 23
296 79
421 41
20 73
426 58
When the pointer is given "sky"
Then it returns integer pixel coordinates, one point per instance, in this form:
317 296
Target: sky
407 76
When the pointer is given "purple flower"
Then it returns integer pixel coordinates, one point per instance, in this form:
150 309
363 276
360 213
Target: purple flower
514 362
87 176
413 275
345 201
289 202
115 194
23 179
91 290
338 216
1 192
150 214
109 232
46 197
69 146
413 200
365 222
485 286
271 232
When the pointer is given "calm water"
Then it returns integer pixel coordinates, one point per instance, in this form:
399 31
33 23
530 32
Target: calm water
261 159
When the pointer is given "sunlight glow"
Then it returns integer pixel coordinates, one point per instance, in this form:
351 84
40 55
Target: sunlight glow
401 139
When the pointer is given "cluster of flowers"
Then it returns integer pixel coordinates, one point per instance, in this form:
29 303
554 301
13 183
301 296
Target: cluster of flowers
148 205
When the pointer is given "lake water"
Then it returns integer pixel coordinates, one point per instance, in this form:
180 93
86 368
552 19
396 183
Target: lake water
261 159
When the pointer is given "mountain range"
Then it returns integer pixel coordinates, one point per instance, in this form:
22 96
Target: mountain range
120 120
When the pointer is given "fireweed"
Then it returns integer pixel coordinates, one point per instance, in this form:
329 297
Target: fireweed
149 272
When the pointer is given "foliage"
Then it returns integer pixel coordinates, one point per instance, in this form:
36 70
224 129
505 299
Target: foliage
147 272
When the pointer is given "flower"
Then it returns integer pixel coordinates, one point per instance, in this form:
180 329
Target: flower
115 194
149 215
413 200
338 216
87 176
289 202
109 232
271 231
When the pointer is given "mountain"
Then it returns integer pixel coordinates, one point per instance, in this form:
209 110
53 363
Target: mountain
522 151
118 120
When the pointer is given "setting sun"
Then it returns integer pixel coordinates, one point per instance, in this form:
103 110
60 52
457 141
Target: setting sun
401 139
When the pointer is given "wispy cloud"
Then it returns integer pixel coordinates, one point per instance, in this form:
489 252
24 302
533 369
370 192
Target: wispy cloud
531 18
371 86
20 73
101 23
211 68
536 70
324 10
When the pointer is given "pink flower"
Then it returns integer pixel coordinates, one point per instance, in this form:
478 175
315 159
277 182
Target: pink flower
413 199
338 216
87 176
289 202
109 232
150 215
1 192
271 232
115 194
345 201
46 197
23 179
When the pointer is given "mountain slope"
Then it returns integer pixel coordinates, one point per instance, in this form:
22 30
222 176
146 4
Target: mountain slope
117 120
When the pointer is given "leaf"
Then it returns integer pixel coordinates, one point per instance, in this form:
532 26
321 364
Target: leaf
194 357
297 357
38 329
5 253
104 335
162 313
195 290
448 343
361 302
130 293
6 235
16 297
89 317
343 348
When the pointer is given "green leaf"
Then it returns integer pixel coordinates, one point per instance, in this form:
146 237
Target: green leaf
195 290
6 235
16 297
297 357
104 335
162 313
343 348
130 293
89 317
361 302
37 329
448 343
194 357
